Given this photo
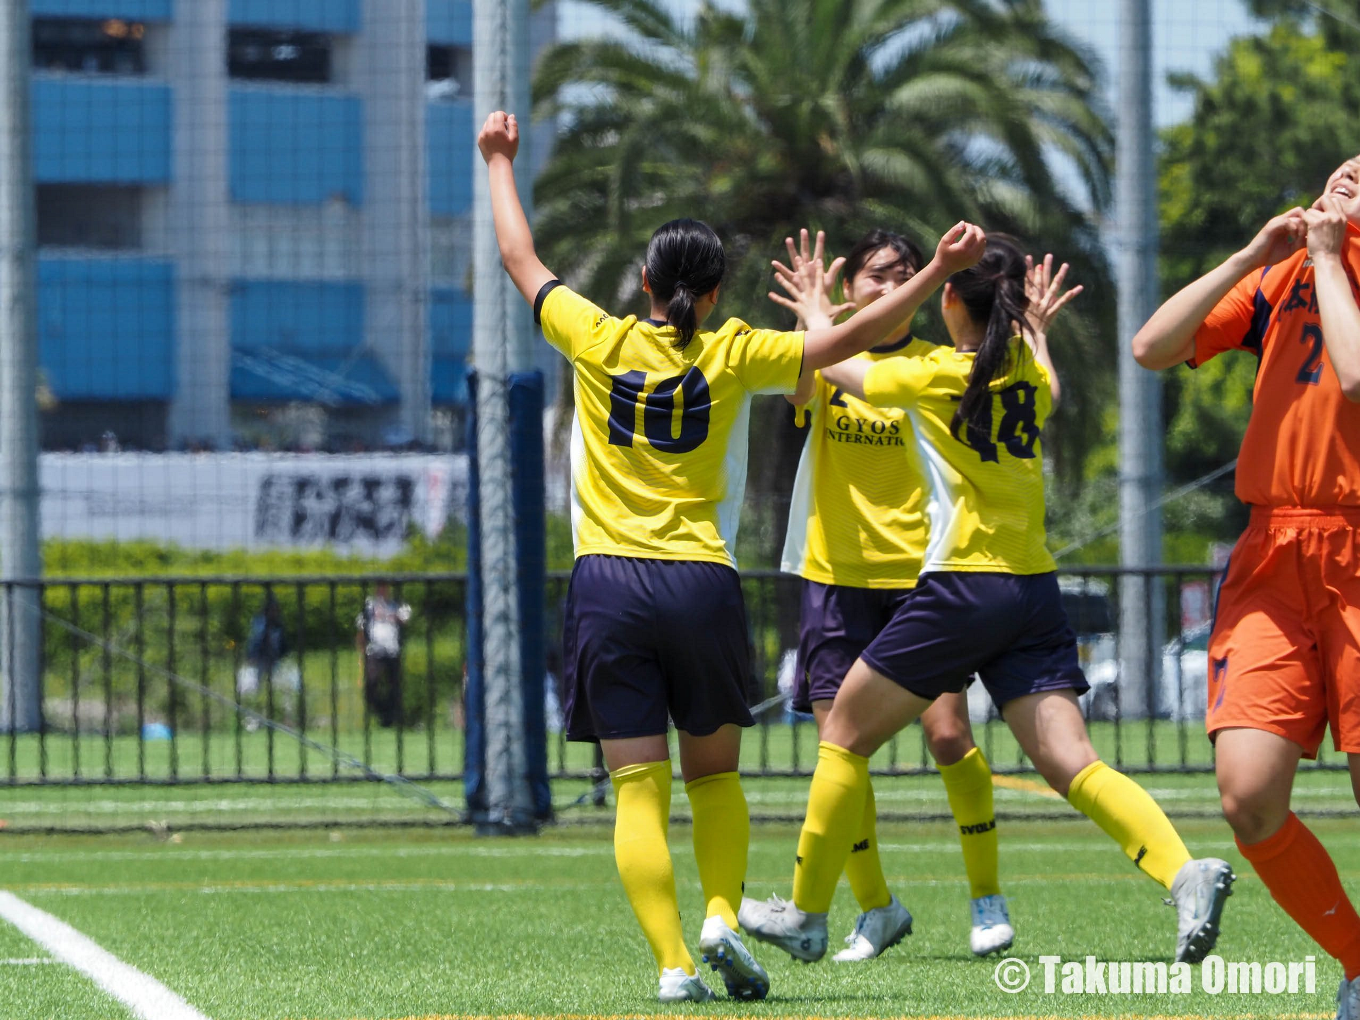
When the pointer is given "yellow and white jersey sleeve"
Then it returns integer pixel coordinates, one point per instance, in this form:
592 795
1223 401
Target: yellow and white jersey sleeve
857 518
659 439
986 505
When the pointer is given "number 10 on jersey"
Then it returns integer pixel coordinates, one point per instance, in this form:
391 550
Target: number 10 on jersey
658 411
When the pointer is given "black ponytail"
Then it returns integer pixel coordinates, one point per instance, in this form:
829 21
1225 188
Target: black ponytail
680 314
685 261
993 292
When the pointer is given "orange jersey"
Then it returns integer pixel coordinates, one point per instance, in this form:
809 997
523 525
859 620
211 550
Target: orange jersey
1302 446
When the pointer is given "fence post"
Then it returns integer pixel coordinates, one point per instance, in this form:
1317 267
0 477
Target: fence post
20 548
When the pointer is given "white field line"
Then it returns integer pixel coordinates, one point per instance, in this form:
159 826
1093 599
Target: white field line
948 845
528 886
142 994
795 794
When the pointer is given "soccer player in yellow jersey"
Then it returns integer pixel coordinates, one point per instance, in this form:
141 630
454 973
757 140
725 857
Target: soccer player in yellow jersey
655 625
987 602
857 536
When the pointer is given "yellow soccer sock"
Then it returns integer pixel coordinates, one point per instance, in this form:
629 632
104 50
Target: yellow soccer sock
643 793
1131 818
968 784
835 807
722 837
863 868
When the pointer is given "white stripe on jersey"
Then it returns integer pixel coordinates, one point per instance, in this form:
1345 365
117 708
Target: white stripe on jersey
734 477
794 558
940 506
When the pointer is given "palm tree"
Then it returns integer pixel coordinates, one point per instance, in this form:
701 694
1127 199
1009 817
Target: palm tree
834 114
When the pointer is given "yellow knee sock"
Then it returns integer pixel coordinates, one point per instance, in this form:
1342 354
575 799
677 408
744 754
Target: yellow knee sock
1131 818
835 807
722 836
968 784
863 868
643 793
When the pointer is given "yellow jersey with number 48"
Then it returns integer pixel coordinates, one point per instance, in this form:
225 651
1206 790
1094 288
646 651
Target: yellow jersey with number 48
986 506
659 439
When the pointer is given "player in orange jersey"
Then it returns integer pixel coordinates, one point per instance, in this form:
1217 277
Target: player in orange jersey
1284 659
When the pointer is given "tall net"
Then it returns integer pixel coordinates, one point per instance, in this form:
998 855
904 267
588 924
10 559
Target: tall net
254 317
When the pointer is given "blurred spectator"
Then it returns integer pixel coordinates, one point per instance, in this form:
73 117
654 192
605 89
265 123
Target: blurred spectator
379 643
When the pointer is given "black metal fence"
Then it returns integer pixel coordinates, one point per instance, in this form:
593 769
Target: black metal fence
167 681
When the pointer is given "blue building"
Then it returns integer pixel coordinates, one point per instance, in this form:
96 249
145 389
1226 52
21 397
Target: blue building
250 205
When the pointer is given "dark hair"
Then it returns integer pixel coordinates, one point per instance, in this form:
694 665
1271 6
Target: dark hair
685 260
908 254
993 292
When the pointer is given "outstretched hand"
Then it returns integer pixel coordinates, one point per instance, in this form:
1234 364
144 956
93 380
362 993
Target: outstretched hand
499 136
961 247
1043 287
809 283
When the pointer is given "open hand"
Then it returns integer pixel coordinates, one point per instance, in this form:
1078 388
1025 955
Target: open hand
499 136
1043 287
810 285
961 247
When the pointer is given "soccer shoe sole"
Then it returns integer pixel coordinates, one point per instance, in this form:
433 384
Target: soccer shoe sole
1198 945
801 949
745 978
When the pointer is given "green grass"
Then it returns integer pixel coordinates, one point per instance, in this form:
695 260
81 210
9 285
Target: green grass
334 926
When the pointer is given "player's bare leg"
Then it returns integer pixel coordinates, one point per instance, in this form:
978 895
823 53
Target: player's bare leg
968 783
1255 777
1050 728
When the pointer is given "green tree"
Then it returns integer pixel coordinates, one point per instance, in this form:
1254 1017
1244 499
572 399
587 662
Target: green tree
1269 128
833 114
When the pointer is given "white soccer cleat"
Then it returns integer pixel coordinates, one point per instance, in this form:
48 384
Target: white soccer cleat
723 950
992 931
1198 893
1348 1000
876 931
780 923
677 986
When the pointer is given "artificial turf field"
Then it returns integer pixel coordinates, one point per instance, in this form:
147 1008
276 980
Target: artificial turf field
341 924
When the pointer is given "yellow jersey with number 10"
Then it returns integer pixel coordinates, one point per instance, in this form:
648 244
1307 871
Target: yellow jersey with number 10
986 505
857 517
659 440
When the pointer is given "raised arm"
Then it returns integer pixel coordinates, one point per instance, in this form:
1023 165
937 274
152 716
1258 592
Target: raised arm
499 144
1046 298
962 246
1168 338
1336 301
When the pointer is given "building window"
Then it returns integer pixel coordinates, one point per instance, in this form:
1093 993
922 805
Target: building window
89 45
448 72
99 216
264 55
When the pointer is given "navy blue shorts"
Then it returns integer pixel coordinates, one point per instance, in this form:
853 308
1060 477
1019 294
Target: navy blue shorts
647 639
838 623
1010 629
